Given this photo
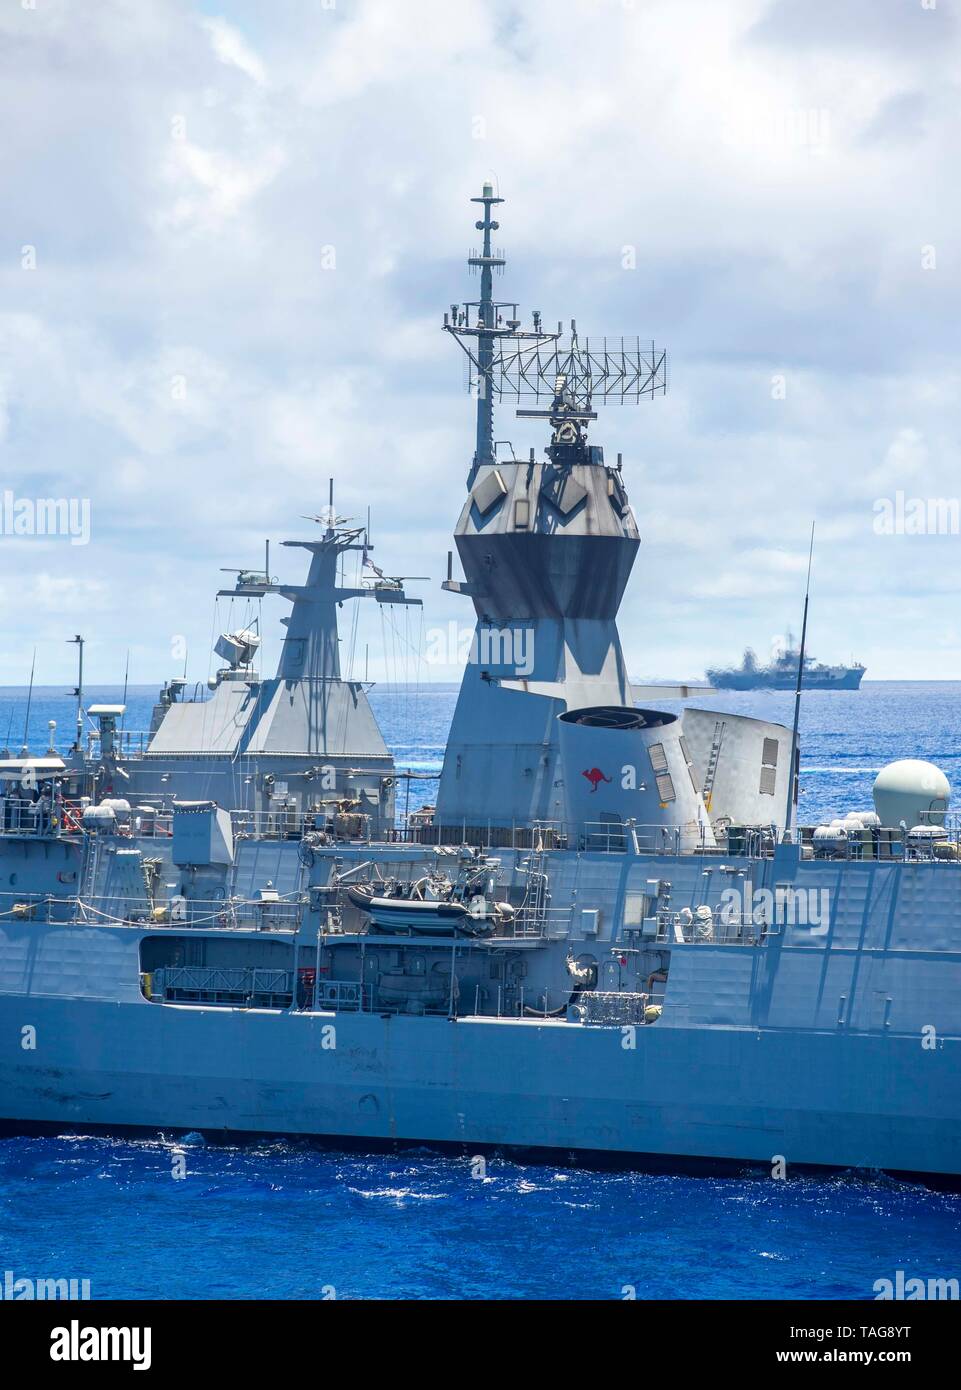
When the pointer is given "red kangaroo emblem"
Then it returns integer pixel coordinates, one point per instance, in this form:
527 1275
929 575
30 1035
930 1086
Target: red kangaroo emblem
594 777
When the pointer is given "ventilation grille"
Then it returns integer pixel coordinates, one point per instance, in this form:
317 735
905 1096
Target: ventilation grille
665 787
658 757
768 769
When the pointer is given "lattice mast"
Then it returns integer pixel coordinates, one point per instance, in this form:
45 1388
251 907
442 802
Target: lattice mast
487 314
506 361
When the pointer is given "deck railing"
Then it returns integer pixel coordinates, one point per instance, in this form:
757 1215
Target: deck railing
22 815
209 913
721 928
17 905
233 985
604 837
153 817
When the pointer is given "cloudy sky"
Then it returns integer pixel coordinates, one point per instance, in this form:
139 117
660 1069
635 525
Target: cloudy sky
230 231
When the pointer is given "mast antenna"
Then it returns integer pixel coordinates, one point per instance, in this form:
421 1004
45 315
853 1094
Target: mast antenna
126 678
508 361
790 817
26 717
78 690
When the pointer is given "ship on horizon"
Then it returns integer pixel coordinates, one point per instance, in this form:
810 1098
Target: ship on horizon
782 671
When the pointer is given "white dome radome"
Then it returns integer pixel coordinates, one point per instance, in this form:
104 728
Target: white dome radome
911 791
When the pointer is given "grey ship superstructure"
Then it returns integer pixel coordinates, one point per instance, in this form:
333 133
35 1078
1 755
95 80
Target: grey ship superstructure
609 935
303 741
547 547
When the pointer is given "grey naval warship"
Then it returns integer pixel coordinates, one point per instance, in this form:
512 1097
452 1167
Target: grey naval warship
610 935
782 670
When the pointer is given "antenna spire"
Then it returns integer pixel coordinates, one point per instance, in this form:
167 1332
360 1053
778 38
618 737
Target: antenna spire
505 359
78 689
792 786
486 321
26 717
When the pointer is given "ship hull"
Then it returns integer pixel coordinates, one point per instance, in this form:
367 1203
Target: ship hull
747 1094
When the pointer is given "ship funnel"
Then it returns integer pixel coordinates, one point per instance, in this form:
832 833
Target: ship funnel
622 765
742 766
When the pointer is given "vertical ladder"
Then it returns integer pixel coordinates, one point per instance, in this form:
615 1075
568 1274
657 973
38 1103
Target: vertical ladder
708 788
533 909
89 873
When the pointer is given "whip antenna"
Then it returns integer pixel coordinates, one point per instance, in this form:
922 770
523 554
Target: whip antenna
792 789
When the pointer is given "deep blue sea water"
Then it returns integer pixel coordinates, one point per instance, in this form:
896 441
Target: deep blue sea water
286 1220
290 1220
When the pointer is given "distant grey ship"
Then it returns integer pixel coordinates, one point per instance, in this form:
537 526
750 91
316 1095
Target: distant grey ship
609 935
781 673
